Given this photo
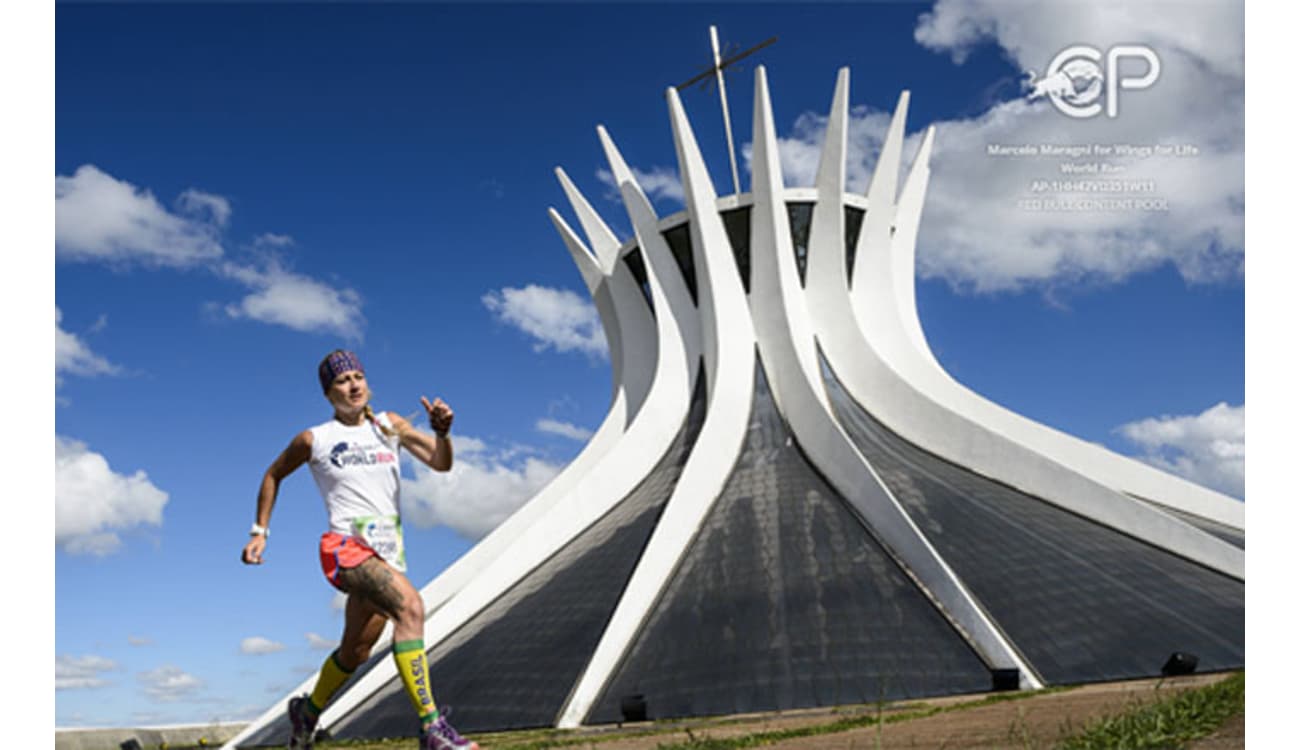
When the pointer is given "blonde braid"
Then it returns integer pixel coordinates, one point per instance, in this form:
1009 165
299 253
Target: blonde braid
369 414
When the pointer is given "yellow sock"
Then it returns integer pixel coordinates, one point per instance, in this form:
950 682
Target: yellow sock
332 677
413 667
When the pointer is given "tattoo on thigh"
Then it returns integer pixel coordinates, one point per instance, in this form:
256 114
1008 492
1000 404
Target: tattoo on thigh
373 581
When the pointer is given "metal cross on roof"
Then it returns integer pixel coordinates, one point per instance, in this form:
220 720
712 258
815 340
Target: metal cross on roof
716 72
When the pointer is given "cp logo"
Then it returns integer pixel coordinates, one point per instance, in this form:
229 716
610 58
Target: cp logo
1075 79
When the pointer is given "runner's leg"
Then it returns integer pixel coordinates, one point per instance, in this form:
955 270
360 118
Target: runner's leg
390 593
362 626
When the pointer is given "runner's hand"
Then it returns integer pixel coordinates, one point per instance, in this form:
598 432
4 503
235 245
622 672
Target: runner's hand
253 550
440 415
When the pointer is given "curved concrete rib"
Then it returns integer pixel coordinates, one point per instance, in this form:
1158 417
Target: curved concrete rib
635 365
880 368
1120 472
654 248
785 340
728 345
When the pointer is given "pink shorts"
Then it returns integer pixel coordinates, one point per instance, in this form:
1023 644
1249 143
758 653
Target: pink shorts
338 552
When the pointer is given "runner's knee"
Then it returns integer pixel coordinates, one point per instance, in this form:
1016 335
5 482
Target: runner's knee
413 607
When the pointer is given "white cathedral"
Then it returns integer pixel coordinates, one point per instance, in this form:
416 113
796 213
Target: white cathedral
791 504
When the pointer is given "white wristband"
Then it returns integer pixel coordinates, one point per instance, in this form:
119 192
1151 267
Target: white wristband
259 531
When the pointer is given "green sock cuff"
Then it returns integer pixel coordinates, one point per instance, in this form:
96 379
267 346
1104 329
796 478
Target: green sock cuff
334 657
312 708
429 718
402 647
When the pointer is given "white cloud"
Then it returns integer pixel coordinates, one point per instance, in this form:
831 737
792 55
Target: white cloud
81 672
168 684
1208 448
976 236
801 152
73 357
659 182
320 643
257 646
139 640
553 317
100 218
339 602
285 298
563 429
481 490
92 502
201 205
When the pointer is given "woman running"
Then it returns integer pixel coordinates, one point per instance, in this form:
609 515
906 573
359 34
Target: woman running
353 458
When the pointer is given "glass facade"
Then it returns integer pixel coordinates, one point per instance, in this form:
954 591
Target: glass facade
800 226
784 600
679 242
1081 601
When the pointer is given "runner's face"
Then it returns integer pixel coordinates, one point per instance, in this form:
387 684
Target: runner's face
349 392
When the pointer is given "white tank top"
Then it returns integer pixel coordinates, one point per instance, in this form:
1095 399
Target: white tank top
357 472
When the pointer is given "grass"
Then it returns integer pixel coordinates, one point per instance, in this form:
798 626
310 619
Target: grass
1165 724
1170 723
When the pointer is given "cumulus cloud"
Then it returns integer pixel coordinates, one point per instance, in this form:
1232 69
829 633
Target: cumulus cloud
554 318
320 643
98 217
977 235
659 182
73 357
1208 448
101 218
257 646
482 489
92 502
169 683
563 429
282 297
81 672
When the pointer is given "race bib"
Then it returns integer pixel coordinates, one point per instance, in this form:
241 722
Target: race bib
384 535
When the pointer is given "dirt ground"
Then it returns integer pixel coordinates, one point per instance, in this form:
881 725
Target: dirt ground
1029 723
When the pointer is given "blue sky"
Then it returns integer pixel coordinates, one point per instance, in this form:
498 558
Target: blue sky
241 188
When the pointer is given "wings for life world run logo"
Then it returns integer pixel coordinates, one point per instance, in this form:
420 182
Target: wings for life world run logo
344 455
1078 76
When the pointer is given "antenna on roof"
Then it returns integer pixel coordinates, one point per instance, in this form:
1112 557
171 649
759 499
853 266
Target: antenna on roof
716 72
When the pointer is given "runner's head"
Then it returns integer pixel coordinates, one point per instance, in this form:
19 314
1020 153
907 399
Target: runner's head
344 381
337 363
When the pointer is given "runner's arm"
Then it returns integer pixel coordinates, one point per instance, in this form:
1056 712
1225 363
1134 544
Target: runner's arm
433 451
297 454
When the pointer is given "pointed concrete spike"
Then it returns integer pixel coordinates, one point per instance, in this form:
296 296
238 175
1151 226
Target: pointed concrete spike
873 240
884 181
587 264
598 233
827 266
696 183
920 164
622 172
767 178
831 170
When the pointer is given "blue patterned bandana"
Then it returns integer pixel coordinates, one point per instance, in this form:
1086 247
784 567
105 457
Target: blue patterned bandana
337 363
